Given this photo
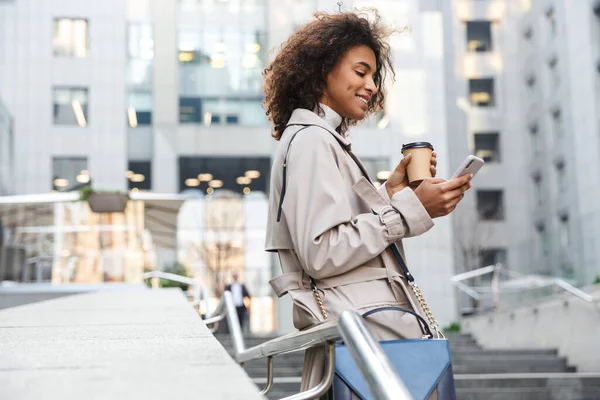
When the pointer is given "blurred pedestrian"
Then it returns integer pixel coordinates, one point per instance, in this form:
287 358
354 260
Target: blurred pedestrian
240 295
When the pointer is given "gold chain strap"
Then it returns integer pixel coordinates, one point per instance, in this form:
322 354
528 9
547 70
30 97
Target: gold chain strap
318 298
432 321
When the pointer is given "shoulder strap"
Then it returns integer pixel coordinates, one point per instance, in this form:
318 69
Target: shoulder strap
284 182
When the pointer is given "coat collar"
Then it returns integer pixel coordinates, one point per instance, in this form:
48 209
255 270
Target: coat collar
302 116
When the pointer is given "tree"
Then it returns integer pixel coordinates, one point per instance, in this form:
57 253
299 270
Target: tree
222 245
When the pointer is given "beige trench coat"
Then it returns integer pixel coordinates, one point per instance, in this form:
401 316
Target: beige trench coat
335 227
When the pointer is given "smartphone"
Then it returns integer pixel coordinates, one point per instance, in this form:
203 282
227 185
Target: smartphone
471 165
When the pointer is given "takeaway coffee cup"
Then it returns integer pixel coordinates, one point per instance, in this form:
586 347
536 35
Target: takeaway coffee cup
419 166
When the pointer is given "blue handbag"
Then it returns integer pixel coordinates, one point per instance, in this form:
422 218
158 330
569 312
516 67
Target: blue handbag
424 365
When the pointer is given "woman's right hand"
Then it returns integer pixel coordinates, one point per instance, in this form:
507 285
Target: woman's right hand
440 197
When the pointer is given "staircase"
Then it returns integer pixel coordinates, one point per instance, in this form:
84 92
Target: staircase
479 374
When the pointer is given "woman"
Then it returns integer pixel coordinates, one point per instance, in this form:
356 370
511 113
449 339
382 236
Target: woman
329 225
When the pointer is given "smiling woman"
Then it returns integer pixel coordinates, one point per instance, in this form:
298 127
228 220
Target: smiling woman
322 56
337 235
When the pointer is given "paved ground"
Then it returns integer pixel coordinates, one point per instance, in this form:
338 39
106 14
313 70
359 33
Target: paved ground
115 345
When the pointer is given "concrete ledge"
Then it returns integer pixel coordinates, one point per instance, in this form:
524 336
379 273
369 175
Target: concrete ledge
147 344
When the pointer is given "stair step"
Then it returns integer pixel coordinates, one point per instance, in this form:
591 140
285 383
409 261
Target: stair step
498 374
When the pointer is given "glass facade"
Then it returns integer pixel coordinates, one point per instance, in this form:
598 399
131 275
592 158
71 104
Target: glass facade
222 51
68 172
6 152
140 51
237 174
139 175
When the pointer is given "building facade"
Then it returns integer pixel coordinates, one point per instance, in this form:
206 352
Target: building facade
6 152
527 95
560 79
165 96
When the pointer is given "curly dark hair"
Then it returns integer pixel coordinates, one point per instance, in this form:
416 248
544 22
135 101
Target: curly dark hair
297 76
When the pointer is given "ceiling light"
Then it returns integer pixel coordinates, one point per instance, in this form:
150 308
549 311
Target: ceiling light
383 175
217 61
205 177
132 117
210 190
243 180
185 56
138 178
215 183
207 118
59 182
252 47
83 178
377 184
252 174
246 190
135 190
192 182
129 174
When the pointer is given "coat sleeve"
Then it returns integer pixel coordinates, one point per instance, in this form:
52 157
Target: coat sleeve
328 239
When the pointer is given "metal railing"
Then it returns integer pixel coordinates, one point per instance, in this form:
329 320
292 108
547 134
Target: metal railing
199 291
517 283
376 368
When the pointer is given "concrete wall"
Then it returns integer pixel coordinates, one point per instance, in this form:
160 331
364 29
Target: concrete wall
566 323
122 345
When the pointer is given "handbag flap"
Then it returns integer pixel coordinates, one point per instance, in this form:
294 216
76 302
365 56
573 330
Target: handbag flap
420 363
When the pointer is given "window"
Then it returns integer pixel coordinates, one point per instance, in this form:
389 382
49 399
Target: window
215 111
537 189
535 138
551 19
190 110
139 109
479 36
221 64
561 178
70 37
139 175
481 92
557 125
544 243
564 231
68 173
232 119
140 51
490 205
489 257
487 146
378 169
531 81
554 73
239 174
70 106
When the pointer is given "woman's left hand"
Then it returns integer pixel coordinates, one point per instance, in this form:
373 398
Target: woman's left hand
398 179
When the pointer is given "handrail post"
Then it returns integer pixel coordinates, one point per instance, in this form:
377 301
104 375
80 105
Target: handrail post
207 313
235 330
371 360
